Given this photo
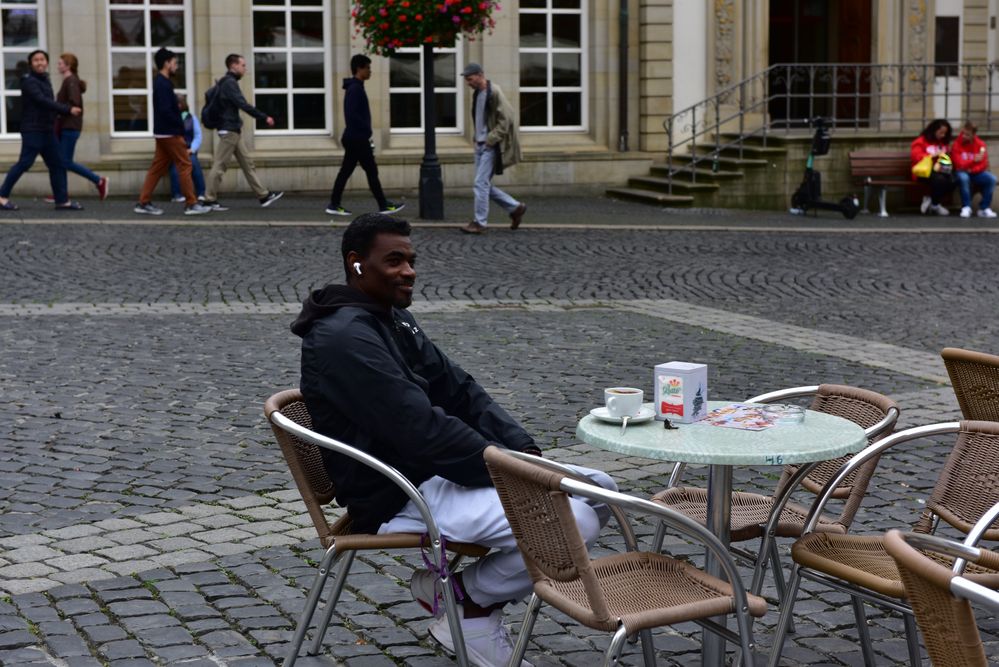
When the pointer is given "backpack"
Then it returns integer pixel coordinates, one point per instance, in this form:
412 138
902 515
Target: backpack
211 112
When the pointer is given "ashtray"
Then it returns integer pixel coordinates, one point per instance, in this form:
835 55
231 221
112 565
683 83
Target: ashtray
785 414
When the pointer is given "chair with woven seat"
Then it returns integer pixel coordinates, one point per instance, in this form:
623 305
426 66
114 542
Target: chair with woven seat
860 565
625 593
975 378
940 595
289 419
754 515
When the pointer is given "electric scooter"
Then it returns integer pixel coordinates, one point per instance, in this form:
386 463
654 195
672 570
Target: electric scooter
809 193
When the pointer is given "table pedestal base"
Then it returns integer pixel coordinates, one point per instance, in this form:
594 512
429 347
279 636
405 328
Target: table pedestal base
719 520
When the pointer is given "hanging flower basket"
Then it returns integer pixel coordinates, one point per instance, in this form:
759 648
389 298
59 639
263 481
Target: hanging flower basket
388 25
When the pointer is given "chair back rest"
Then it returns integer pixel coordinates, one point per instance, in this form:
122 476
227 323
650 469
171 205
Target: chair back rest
864 408
304 460
543 524
968 485
975 378
946 621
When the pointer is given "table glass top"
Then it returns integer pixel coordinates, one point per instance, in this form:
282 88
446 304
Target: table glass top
819 437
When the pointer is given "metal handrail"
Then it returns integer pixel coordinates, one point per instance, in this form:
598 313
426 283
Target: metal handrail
783 98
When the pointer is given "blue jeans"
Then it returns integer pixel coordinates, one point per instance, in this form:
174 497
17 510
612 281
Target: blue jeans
485 158
67 147
196 175
983 180
34 144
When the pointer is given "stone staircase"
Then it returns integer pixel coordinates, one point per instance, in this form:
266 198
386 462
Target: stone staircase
728 170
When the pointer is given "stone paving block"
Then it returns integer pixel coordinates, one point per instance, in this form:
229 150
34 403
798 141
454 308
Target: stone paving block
263 513
71 532
179 529
160 518
228 548
75 562
171 558
180 654
31 554
88 543
67 646
118 650
16 639
20 541
246 502
271 540
174 544
137 608
128 552
287 495
218 521
117 524
20 586
132 536
78 576
104 633
265 527
201 510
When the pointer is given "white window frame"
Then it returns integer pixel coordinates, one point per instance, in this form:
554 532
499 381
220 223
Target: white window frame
456 90
289 51
583 50
39 6
149 50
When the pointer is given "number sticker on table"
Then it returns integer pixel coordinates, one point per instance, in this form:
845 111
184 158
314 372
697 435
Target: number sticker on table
775 460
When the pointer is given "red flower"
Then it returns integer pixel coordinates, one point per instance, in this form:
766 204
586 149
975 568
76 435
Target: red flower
402 18
418 17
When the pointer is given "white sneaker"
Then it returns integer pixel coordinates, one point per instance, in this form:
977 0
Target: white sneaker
966 212
425 587
986 213
940 209
487 641
925 205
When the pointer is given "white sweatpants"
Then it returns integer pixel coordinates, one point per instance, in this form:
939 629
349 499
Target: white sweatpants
475 516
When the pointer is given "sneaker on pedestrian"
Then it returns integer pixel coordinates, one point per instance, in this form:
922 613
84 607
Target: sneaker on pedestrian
270 198
940 209
214 205
197 209
425 587
986 213
487 641
337 210
147 209
966 212
49 199
102 188
517 216
391 208
178 198
925 205
474 228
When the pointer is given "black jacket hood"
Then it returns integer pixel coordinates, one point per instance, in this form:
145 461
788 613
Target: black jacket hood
328 300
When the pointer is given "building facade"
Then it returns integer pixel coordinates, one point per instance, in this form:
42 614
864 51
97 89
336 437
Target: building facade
593 80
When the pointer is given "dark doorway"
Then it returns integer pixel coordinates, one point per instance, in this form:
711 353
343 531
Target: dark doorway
832 35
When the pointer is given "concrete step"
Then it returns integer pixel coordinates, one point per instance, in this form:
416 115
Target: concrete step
663 185
776 140
724 161
702 173
650 197
748 151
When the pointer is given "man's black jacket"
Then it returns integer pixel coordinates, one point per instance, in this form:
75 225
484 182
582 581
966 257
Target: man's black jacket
356 112
38 104
232 101
372 379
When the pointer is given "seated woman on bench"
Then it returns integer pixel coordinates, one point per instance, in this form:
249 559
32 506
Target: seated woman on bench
971 169
934 142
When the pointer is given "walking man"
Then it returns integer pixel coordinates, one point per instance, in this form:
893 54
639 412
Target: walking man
496 148
356 140
230 100
171 148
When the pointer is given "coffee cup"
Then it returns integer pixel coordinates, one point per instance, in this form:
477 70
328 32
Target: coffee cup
623 401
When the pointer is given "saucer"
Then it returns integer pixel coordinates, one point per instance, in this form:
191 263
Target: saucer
644 415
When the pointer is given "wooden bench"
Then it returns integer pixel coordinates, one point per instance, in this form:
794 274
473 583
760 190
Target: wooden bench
884 169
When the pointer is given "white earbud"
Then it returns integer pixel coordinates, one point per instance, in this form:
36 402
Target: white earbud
357 268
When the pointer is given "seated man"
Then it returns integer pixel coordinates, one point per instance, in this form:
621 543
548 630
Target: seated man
372 378
971 168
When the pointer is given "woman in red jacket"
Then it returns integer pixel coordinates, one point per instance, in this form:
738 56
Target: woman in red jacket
934 141
971 168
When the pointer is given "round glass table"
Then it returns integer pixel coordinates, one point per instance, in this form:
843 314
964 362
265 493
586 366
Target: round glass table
819 437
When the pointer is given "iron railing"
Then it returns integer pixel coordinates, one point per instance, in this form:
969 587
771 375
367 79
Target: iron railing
781 100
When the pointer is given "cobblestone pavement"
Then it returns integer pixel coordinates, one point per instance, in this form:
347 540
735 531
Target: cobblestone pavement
146 516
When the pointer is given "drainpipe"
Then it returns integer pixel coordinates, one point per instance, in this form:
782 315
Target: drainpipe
622 93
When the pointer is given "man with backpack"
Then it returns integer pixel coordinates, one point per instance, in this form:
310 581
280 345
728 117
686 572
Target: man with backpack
223 103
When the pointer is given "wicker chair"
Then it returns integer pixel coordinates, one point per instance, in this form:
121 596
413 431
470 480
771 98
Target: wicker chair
291 423
975 378
965 491
939 595
626 593
757 516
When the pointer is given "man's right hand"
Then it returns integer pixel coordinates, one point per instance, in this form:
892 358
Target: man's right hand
75 111
269 121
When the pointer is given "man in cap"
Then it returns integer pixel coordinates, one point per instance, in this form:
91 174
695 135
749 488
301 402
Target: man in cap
496 148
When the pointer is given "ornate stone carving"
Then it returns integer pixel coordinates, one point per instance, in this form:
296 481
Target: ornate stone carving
917 22
725 21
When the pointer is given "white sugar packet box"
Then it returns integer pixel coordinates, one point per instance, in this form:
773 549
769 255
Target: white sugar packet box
681 391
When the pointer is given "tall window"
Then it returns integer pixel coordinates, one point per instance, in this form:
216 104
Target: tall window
553 64
23 30
138 29
290 56
406 90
